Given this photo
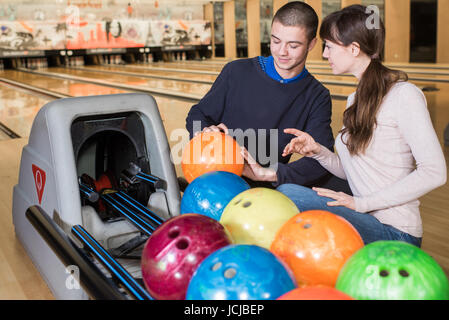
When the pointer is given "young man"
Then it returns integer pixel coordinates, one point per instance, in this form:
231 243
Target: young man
260 97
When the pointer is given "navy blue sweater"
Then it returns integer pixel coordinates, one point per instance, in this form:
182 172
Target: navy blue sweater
245 97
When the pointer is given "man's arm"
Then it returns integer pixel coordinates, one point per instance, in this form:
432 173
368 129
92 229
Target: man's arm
210 109
306 171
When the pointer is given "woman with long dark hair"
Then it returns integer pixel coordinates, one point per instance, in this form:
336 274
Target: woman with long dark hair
387 150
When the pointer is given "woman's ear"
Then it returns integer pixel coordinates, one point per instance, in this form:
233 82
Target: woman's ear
355 49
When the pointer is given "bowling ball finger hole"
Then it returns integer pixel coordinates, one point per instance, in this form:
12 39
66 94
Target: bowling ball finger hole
307 226
404 273
230 273
384 273
216 266
237 202
246 204
173 233
182 244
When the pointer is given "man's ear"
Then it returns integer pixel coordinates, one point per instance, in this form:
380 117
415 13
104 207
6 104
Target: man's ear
312 44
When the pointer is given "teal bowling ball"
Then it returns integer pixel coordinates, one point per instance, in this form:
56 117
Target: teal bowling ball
210 193
240 272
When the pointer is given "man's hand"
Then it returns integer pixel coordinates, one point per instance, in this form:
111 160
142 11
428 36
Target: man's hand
255 171
218 128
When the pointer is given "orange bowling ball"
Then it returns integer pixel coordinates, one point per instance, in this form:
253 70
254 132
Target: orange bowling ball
315 293
315 245
211 151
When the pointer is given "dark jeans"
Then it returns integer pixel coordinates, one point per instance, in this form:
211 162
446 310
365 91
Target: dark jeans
369 228
329 181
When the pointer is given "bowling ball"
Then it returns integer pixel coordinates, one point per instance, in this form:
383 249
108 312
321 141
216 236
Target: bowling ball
175 249
211 151
315 245
210 193
315 293
393 270
240 272
255 215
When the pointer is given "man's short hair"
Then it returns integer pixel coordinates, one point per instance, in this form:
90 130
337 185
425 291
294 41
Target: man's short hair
298 14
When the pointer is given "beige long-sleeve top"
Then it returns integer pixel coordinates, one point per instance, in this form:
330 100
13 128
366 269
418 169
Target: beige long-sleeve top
403 161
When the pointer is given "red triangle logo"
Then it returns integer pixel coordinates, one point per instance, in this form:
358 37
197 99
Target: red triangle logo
39 181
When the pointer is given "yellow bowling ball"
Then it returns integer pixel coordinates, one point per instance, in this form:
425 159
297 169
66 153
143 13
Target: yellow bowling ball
255 215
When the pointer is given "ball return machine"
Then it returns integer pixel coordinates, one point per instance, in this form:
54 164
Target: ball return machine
96 179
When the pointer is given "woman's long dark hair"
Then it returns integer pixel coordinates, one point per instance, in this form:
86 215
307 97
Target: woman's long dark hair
344 27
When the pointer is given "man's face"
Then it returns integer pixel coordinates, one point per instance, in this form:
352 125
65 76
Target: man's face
289 48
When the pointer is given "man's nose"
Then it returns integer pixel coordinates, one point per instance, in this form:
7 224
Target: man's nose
283 49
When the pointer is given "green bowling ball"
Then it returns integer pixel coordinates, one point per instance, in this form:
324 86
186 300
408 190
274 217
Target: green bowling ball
393 270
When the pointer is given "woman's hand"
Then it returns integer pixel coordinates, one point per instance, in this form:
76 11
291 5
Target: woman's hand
341 199
303 144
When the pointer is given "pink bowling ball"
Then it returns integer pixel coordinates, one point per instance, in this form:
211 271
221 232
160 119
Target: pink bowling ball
174 251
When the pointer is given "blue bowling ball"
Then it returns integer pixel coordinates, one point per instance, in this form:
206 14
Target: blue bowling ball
211 192
240 272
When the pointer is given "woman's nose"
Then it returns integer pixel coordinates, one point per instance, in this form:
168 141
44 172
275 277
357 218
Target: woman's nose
325 53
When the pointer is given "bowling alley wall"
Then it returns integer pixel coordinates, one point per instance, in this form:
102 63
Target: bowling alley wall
416 29
86 24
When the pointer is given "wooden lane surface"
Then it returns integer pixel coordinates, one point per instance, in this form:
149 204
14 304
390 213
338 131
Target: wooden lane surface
187 65
3 136
18 109
136 69
314 68
322 62
67 87
172 85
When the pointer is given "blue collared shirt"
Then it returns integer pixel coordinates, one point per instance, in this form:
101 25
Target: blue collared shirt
267 65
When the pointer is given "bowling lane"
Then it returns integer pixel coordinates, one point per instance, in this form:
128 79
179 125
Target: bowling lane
412 65
152 72
187 65
172 85
335 89
18 109
413 75
314 68
63 86
3 136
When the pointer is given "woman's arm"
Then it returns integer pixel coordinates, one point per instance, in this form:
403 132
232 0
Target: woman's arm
416 127
305 145
331 162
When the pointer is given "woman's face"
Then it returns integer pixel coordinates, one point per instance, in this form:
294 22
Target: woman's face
341 59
